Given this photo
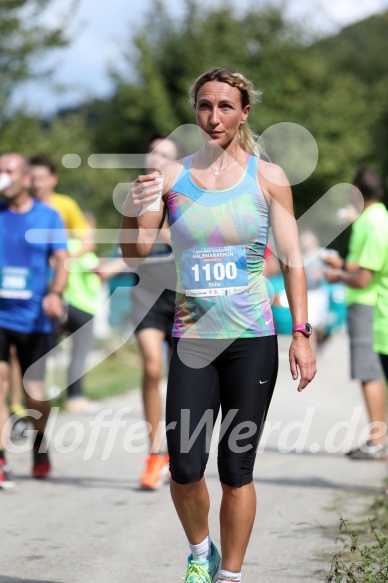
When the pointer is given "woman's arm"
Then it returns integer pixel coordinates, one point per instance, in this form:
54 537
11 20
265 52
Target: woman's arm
138 230
279 198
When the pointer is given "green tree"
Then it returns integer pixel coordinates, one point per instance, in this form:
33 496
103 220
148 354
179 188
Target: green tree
360 51
298 83
93 189
22 41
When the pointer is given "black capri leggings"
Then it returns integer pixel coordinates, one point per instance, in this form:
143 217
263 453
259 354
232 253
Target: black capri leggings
239 376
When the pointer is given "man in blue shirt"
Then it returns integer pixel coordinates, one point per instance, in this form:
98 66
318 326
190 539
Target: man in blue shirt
27 307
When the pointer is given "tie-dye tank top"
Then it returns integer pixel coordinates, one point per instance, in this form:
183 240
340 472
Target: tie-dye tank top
219 238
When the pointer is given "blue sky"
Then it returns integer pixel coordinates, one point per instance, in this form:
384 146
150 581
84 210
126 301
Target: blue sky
99 36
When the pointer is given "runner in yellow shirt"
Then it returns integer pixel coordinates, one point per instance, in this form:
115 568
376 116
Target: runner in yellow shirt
44 182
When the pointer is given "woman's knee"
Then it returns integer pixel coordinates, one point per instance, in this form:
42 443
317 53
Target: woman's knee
187 460
186 471
236 471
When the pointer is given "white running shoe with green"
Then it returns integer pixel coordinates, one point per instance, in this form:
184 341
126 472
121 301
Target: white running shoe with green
203 571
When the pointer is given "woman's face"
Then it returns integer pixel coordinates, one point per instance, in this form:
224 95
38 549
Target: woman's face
159 152
219 112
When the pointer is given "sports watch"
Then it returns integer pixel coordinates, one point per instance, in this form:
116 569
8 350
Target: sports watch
305 328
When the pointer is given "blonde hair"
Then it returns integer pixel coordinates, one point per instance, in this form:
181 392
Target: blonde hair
247 140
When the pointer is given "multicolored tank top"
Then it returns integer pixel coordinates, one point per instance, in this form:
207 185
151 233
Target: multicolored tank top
219 238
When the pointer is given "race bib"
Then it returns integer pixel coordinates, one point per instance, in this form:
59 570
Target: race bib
215 271
15 283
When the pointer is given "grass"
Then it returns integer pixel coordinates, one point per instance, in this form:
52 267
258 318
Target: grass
360 562
364 556
117 374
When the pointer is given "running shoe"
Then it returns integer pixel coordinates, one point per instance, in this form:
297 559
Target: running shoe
203 571
6 480
368 451
81 405
41 464
155 472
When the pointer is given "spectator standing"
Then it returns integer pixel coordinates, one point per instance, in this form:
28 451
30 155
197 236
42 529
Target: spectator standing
363 274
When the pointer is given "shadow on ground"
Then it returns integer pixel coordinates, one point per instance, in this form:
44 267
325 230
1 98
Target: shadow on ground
6 579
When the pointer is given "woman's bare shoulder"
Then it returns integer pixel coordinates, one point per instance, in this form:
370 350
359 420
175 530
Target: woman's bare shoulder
171 171
272 174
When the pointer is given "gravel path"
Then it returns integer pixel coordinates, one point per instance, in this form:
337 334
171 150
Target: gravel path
89 523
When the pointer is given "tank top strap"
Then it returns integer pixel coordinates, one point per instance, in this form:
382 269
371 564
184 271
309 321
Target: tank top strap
253 166
187 162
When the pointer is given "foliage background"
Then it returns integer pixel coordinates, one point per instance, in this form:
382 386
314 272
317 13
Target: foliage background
336 87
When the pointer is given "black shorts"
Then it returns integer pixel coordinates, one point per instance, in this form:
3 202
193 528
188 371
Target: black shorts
161 315
31 348
239 376
154 296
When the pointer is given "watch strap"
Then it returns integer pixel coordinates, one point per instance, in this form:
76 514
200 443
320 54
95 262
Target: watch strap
305 328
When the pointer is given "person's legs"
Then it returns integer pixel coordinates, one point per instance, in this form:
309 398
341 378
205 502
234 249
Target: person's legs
192 504
247 380
243 376
191 410
32 351
384 364
150 342
37 401
4 413
80 324
365 367
16 387
5 343
16 395
6 480
237 515
374 395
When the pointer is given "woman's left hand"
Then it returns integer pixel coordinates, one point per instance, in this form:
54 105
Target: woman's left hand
302 358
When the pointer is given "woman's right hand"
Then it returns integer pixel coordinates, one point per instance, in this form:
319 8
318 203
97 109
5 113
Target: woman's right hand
145 189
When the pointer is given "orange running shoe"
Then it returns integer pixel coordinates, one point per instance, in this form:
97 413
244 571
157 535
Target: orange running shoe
155 471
